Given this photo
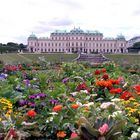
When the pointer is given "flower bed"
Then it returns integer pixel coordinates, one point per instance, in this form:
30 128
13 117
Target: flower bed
69 101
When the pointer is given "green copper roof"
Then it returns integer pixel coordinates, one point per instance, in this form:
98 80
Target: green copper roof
76 30
120 37
32 37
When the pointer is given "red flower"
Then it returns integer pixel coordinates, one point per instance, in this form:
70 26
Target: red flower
31 113
105 76
103 70
114 81
115 90
57 108
126 95
97 72
137 88
12 132
82 86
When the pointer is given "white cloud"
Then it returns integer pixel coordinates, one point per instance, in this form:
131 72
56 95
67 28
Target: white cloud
19 18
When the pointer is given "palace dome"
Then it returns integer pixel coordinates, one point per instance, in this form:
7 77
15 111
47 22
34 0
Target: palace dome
32 37
120 37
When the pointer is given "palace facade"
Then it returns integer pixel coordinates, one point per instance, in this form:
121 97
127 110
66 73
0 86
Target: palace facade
76 41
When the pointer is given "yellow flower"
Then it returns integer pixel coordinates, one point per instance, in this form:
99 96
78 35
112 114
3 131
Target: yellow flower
133 110
132 99
129 114
0 119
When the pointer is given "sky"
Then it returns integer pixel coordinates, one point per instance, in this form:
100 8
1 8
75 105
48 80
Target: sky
20 18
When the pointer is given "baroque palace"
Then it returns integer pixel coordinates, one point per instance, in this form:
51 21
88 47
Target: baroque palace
77 41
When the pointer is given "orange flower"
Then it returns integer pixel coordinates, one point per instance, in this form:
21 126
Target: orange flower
31 113
104 83
57 108
61 134
74 106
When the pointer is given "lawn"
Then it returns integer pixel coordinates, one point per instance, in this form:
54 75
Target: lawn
28 58
125 58
60 57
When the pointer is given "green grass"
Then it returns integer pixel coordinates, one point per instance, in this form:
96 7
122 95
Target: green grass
132 59
60 57
29 58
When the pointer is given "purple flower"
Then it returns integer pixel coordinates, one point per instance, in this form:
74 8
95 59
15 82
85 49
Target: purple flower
42 95
3 76
53 101
65 80
32 96
32 105
22 102
37 96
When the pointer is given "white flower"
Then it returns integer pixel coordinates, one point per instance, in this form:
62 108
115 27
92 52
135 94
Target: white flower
134 135
138 129
106 105
27 124
34 79
88 104
74 93
116 113
79 103
84 91
51 119
53 113
116 100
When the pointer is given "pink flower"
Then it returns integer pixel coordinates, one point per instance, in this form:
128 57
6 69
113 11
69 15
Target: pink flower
103 129
73 135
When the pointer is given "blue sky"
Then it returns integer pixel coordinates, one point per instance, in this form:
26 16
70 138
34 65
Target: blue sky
19 18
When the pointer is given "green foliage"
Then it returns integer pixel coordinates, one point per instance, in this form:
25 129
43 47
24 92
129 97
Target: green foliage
90 129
